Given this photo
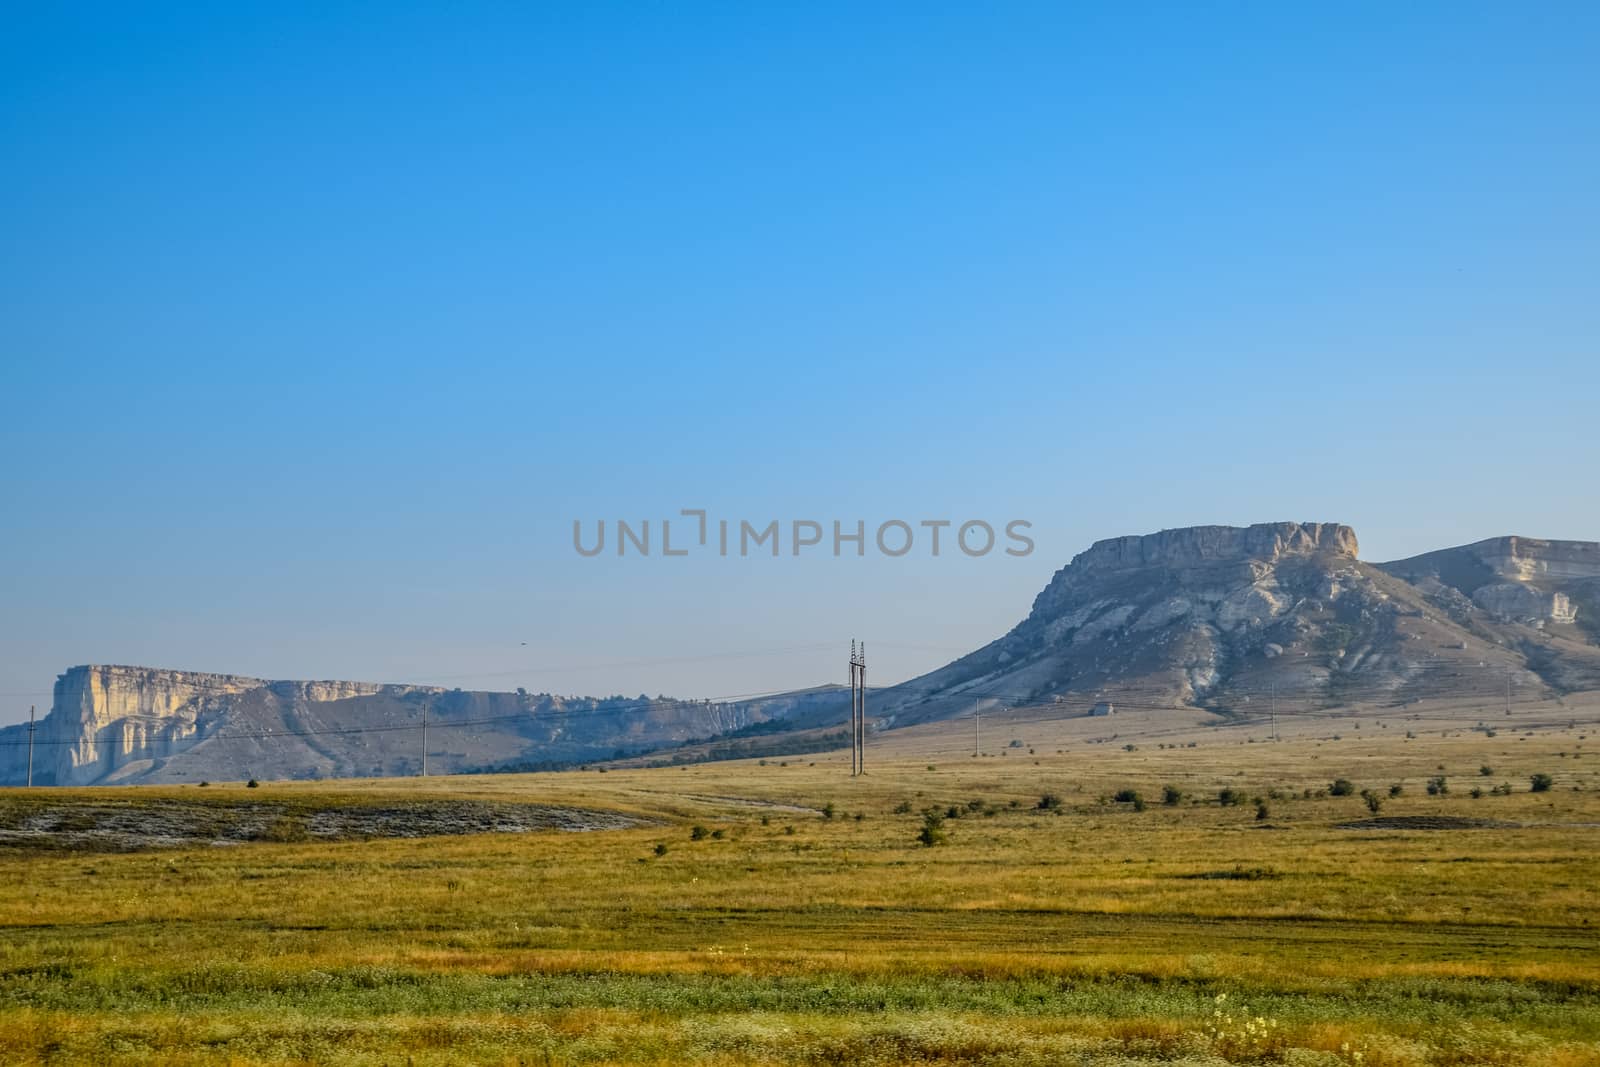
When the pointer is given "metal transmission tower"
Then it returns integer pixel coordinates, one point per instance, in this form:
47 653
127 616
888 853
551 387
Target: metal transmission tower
31 728
858 709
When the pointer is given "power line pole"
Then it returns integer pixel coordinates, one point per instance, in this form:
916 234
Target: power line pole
1275 711
853 770
861 716
858 709
424 738
977 733
1508 691
30 745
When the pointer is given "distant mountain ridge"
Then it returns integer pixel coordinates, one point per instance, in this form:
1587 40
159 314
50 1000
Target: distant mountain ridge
1214 617
113 723
1521 578
1218 616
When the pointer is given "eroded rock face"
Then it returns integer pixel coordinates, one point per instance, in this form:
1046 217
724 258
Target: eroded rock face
1529 559
1524 603
1173 613
1517 579
103 717
1195 545
113 724
1215 575
1223 616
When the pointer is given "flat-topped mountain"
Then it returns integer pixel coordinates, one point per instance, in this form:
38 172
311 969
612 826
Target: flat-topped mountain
140 724
1193 546
1220 616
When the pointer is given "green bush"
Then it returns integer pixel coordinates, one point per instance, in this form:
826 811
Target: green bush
1049 802
932 832
1542 783
699 833
1171 796
1342 787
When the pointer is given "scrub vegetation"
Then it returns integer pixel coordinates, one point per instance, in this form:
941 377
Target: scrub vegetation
996 910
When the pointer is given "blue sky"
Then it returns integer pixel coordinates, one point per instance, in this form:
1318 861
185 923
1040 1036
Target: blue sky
319 324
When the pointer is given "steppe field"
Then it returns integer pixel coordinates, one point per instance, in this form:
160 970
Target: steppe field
780 912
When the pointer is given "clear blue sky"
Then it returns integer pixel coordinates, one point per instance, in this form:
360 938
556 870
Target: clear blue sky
319 324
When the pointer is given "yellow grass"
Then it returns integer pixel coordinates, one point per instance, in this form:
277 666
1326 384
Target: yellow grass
1090 934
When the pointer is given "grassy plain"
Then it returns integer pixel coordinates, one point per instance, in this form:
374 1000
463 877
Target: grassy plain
1087 932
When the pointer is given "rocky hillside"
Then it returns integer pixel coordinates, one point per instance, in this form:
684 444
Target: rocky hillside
138 724
1539 598
1221 617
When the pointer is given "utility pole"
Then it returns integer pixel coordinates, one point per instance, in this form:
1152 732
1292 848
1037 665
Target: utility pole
30 745
853 769
861 715
424 738
1508 691
1275 711
858 710
977 733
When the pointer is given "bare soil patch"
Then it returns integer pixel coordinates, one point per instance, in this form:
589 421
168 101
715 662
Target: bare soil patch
1426 822
124 826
